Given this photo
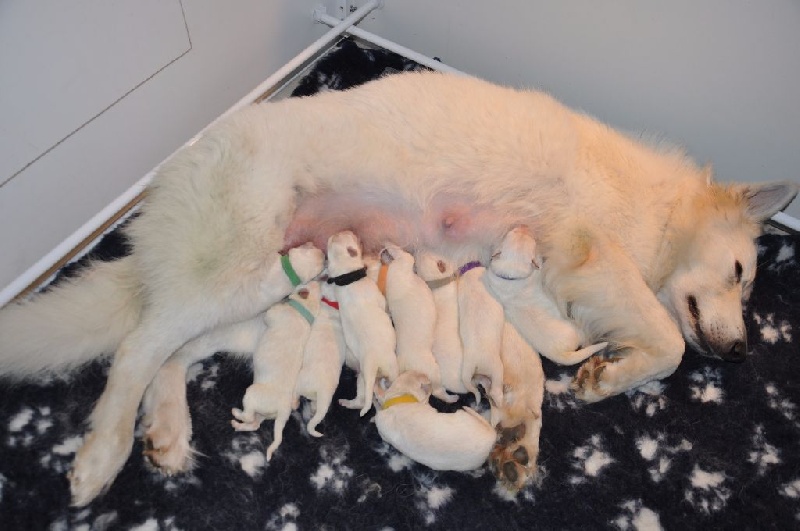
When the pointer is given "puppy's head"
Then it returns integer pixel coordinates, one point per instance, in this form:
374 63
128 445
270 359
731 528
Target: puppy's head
411 383
430 266
515 258
344 253
307 261
392 253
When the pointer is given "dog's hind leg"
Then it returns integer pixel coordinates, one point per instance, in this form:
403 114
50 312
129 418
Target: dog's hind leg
280 422
323 403
166 418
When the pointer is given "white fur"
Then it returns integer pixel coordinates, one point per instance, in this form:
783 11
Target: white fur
447 348
323 358
451 164
413 311
514 279
441 441
367 328
276 365
480 325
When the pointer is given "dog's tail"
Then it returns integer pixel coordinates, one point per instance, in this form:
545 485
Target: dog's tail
78 320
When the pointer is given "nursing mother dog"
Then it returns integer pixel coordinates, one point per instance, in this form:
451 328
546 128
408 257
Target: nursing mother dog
640 246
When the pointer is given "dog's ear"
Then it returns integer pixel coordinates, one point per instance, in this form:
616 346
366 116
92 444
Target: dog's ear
352 251
765 200
303 293
380 387
441 265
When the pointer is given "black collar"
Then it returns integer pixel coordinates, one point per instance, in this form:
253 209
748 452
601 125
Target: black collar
348 278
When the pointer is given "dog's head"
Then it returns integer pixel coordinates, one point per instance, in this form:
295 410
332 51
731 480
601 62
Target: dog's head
307 261
411 383
515 258
344 253
392 253
713 277
430 266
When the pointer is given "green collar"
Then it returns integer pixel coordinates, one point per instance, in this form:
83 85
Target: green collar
289 270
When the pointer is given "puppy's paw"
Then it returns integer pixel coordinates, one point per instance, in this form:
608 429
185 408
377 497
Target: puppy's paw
97 464
595 379
355 403
513 458
245 421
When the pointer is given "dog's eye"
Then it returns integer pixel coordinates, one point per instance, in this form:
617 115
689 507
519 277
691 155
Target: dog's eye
737 271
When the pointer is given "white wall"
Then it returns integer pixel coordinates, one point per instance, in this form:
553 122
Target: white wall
144 79
720 77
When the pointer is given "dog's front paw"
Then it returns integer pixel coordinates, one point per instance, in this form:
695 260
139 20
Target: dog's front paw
595 378
168 432
513 458
97 464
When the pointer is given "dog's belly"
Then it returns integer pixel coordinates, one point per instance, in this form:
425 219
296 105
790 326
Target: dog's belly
441 223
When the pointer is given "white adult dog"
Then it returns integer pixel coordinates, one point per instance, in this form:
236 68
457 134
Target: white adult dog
441 441
367 328
424 160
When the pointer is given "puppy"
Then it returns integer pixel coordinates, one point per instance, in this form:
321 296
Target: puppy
367 328
441 441
413 311
323 357
276 364
448 352
480 325
519 419
515 280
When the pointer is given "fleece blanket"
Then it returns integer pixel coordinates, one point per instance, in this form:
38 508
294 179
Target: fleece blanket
715 446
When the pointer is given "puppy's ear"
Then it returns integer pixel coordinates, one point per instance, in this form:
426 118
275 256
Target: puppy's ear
303 293
380 387
352 251
441 265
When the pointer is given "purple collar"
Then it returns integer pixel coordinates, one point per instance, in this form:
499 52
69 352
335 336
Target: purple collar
469 265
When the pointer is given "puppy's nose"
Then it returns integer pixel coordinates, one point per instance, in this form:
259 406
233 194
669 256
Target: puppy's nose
737 353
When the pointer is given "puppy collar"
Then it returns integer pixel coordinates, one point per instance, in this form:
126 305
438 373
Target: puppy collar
382 278
436 284
302 310
469 265
348 278
401 399
289 270
332 304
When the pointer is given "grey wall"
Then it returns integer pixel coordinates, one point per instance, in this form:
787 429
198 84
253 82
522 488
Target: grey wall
720 77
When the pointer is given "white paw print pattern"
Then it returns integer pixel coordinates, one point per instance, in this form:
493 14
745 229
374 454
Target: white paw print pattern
27 425
430 497
590 459
763 454
558 393
332 474
706 385
648 398
284 518
247 451
659 454
771 330
781 404
636 517
707 491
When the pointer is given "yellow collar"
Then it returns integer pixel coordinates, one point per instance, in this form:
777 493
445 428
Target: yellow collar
401 399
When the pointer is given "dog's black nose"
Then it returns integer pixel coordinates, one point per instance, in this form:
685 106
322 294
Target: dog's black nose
737 352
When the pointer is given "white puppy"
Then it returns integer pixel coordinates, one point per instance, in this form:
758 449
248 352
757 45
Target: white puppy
367 328
441 441
448 352
276 364
520 417
480 324
515 280
323 358
413 312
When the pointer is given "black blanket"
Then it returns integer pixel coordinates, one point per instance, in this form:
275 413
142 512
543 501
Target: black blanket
715 446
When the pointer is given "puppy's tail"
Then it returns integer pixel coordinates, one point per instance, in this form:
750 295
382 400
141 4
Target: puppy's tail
76 321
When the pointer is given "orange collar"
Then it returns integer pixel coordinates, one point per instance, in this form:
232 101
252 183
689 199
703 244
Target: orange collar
382 278
401 399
